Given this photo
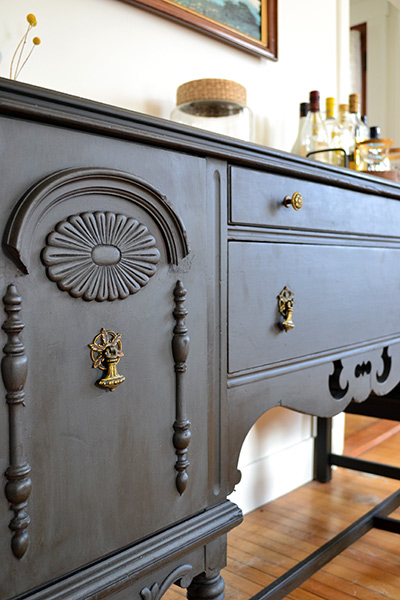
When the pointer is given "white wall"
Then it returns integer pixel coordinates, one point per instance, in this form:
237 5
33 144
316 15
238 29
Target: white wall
276 457
383 62
114 53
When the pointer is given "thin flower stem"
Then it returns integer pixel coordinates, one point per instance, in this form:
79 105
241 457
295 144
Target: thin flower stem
22 66
22 49
16 50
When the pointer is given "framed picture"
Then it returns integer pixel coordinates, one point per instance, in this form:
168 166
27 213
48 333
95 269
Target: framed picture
247 24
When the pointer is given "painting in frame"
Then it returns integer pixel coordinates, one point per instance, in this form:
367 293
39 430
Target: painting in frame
247 24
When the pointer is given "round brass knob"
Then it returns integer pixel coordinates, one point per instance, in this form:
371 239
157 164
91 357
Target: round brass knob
295 201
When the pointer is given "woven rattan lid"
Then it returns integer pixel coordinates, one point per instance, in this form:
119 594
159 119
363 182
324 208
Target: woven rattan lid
211 89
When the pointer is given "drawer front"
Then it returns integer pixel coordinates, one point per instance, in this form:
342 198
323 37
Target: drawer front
337 302
257 200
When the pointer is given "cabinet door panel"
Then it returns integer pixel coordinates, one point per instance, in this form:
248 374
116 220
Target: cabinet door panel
103 463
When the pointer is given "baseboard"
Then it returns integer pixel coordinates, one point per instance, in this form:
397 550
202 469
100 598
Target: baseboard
275 475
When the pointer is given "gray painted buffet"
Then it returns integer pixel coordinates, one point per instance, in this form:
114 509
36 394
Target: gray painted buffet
151 276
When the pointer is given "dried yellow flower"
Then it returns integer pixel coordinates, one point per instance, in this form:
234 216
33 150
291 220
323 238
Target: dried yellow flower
17 56
31 20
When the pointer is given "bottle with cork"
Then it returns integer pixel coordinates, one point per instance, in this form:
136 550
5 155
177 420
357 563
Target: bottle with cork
359 128
315 137
297 146
347 140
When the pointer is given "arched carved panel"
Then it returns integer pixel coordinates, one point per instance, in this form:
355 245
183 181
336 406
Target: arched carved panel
351 375
71 183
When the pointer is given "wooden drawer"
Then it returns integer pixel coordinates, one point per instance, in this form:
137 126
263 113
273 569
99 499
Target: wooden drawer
337 302
256 199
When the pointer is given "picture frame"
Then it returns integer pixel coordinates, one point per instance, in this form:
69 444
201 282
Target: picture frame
250 25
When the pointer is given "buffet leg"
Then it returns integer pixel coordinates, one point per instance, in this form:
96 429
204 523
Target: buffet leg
205 587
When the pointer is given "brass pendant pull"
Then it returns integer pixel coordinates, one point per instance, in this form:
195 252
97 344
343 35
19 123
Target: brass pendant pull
295 201
286 307
106 352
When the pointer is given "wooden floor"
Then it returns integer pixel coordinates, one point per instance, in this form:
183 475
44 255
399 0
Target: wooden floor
276 536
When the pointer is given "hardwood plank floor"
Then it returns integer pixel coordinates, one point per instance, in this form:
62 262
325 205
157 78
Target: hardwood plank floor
273 538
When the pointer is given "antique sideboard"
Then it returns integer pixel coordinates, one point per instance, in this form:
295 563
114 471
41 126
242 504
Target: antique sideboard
162 288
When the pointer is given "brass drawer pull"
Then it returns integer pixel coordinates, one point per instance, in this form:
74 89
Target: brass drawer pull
106 351
295 201
286 306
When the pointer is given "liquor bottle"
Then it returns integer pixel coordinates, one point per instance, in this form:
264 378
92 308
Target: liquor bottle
315 137
360 129
347 140
304 106
333 130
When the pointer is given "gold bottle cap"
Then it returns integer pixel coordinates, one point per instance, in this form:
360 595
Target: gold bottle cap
330 107
343 107
211 89
354 102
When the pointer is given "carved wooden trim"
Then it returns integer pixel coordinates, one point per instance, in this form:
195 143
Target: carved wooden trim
100 256
180 351
285 367
65 185
184 573
387 366
364 368
335 388
356 379
14 368
115 574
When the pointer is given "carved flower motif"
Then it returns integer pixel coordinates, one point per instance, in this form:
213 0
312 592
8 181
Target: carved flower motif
100 256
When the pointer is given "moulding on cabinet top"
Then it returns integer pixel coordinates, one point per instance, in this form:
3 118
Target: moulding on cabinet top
40 105
70 183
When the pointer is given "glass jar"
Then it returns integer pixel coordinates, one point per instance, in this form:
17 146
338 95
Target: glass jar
394 159
374 152
216 105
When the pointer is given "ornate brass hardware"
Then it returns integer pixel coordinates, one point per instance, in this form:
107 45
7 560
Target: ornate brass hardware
106 351
295 201
286 306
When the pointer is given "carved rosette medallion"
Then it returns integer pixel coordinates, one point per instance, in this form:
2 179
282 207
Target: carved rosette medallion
100 256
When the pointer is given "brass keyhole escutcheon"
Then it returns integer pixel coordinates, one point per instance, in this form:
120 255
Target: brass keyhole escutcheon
286 307
295 201
106 352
